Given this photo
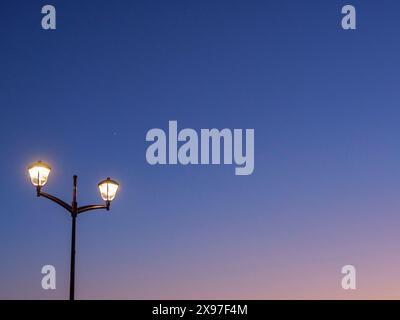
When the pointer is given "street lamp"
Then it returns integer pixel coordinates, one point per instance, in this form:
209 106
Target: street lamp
39 173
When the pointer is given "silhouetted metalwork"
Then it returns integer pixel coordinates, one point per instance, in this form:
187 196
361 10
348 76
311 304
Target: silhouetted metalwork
74 210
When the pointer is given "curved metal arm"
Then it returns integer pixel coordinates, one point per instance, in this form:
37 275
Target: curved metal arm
94 207
55 199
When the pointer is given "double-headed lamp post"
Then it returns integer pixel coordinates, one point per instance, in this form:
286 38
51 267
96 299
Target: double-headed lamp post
39 172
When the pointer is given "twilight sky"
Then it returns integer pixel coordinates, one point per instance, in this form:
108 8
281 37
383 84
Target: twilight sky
324 104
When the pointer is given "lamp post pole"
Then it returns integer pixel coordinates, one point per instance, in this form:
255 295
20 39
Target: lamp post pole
74 214
72 273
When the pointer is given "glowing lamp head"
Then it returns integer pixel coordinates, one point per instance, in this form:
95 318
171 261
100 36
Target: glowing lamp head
39 172
108 189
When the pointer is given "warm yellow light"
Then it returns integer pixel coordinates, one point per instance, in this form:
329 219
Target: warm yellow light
108 189
39 172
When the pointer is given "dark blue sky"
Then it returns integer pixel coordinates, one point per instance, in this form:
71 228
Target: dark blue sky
324 104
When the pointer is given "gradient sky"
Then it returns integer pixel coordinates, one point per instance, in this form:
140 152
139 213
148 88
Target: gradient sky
324 104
